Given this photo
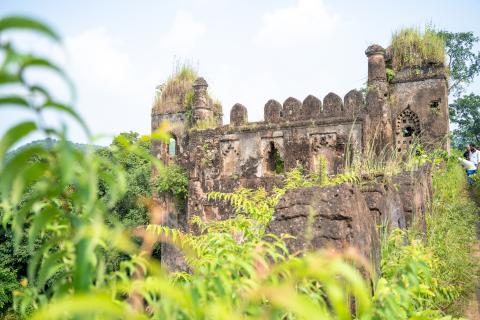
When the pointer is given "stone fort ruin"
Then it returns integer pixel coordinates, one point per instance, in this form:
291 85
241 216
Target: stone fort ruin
394 113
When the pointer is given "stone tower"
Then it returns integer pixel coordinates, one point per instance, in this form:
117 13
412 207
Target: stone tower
170 108
411 105
204 111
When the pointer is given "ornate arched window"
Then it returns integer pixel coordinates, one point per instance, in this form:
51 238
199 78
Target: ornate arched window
407 129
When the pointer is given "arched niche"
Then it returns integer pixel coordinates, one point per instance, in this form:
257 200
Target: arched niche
172 146
273 162
407 129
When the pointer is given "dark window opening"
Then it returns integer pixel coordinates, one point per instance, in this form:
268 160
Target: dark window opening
275 162
408 131
435 105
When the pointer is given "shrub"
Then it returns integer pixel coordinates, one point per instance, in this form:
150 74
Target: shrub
173 180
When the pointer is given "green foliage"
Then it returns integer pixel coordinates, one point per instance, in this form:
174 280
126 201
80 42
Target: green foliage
279 162
451 234
408 288
463 63
177 88
412 48
465 113
129 209
258 205
429 275
237 271
8 283
189 106
390 74
173 180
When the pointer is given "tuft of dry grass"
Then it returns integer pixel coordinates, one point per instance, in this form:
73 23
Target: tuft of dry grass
412 47
171 96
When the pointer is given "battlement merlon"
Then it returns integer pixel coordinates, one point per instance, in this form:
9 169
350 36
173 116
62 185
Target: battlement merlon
311 109
201 106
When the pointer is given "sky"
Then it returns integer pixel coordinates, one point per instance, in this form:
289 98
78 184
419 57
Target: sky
249 51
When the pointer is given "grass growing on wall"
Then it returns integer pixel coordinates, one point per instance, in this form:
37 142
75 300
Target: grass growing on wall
176 90
412 47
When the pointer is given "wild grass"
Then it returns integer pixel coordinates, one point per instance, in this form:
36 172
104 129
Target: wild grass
412 47
385 161
451 234
176 90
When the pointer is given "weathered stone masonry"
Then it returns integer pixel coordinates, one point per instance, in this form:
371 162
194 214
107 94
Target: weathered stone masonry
410 107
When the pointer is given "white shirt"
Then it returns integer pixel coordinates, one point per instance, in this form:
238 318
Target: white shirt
475 157
468 165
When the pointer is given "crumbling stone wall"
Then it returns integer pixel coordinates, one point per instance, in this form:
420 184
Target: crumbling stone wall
347 216
395 113
250 154
320 217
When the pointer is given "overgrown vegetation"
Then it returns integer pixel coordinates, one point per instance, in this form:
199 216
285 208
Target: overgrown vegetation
173 181
57 205
451 235
177 90
413 48
208 123
465 113
176 95
462 61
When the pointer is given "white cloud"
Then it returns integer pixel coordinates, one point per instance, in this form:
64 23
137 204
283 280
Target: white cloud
183 34
97 59
307 20
112 88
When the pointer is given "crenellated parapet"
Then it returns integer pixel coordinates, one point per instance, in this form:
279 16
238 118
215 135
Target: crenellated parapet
311 109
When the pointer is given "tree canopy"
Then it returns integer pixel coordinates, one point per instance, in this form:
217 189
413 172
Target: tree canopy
462 62
465 113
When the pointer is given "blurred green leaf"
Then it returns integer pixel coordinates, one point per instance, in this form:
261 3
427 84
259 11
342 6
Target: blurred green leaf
49 267
15 134
14 100
21 22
